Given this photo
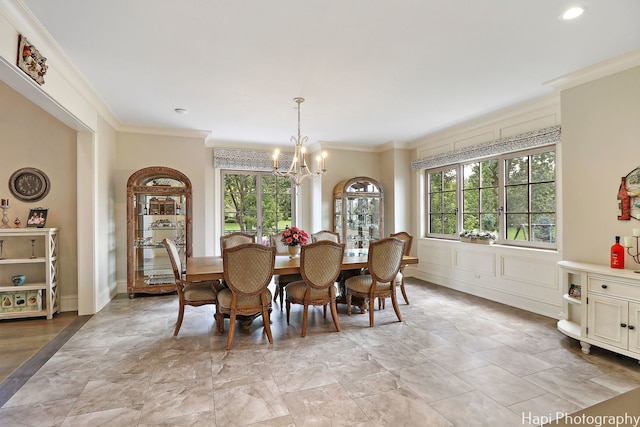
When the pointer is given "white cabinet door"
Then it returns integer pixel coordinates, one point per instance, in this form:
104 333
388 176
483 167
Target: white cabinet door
607 320
634 327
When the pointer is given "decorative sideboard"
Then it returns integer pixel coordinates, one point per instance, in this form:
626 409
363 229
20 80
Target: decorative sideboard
32 252
601 307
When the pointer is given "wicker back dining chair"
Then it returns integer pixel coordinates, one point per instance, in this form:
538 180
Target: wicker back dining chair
248 269
383 263
189 293
408 240
319 266
282 280
234 239
325 235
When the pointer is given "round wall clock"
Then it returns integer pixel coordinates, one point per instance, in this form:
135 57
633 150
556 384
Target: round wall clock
29 184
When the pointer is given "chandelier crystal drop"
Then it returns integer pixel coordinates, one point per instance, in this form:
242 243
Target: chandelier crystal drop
298 170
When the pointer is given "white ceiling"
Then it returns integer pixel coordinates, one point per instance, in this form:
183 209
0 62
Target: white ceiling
372 71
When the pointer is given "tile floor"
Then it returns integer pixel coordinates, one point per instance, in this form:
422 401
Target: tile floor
455 360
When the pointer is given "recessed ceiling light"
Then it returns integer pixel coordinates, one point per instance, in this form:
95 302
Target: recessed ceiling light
572 13
181 111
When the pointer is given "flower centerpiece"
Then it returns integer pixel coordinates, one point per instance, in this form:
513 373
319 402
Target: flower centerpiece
294 237
475 236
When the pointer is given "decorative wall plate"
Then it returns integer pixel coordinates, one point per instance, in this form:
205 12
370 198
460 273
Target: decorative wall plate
29 184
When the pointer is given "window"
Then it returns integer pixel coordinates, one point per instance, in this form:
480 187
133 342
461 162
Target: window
513 195
257 203
443 202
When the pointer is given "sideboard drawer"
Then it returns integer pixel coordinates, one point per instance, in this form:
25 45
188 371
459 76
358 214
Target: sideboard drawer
606 286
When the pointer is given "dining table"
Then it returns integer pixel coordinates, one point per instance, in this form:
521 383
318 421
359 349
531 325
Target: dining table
210 268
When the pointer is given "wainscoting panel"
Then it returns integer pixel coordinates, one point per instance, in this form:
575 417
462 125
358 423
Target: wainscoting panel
476 261
529 271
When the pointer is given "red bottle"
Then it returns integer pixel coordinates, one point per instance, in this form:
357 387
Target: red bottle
617 254
624 201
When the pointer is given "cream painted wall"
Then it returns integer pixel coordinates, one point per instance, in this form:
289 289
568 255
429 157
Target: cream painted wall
601 143
187 155
30 137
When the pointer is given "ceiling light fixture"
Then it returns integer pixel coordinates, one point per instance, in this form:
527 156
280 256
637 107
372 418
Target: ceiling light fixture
572 13
298 170
181 111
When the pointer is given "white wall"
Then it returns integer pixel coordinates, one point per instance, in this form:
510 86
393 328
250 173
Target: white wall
601 144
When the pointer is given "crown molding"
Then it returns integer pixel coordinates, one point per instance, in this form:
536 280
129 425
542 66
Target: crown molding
596 71
182 133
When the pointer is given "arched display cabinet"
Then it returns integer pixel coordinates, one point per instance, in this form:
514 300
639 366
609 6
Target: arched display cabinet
359 213
158 207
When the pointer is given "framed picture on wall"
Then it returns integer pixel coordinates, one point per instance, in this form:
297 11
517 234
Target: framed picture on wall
37 217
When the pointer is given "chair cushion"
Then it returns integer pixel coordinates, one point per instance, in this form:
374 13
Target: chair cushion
225 296
362 284
297 289
202 292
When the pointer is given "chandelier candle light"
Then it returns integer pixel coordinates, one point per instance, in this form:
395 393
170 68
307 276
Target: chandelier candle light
298 170
629 244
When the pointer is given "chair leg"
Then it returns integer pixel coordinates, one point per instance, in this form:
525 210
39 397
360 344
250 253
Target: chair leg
288 310
334 315
267 323
232 328
281 294
371 310
404 293
349 303
179 321
305 312
394 301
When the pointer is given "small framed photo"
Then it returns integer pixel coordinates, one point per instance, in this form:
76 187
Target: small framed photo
31 61
37 217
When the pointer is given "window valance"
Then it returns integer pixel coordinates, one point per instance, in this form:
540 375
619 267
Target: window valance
523 141
252 160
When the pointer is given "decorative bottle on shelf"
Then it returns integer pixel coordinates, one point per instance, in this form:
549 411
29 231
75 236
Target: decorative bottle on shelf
617 254
624 201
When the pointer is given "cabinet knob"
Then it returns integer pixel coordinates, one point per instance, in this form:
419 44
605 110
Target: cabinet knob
631 327
624 325
604 286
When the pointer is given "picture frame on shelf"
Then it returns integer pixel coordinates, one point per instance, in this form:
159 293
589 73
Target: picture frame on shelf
575 291
37 217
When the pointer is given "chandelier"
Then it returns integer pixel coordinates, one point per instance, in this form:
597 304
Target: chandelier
298 170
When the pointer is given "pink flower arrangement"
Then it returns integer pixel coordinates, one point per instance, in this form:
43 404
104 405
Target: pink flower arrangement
294 236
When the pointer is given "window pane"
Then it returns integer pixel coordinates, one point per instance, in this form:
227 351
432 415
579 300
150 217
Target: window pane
543 228
543 167
490 200
517 226
490 173
450 226
470 222
436 202
435 182
450 202
517 199
517 170
449 180
471 175
543 197
435 224
489 222
471 201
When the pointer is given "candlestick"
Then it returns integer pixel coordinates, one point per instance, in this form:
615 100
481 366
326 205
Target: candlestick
636 232
636 256
628 242
5 215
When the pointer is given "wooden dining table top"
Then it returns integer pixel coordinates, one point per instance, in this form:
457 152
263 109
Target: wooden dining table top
210 267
